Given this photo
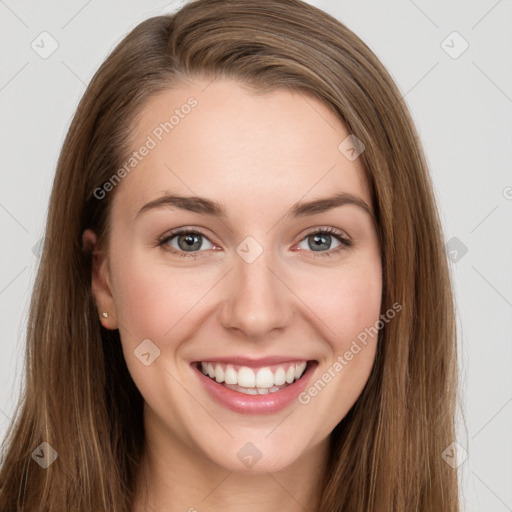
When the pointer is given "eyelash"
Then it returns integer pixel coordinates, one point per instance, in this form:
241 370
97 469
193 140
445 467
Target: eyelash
345 243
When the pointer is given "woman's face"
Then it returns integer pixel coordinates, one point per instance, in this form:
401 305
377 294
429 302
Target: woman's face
253 292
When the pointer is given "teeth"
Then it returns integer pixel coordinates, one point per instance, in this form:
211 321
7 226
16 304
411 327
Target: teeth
252 391
299 370
279 377
230 376
246 377
255 381
264 378
219 373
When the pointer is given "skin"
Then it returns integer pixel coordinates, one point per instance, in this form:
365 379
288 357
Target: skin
257 154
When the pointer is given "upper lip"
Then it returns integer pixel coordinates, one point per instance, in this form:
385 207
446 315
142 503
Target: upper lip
253 363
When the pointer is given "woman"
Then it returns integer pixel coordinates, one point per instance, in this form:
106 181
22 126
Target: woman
243 299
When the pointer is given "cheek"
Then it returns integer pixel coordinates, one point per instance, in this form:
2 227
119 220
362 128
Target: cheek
154 303
361 301
351 310
153 299
347 301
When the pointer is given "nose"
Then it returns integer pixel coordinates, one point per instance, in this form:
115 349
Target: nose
257 300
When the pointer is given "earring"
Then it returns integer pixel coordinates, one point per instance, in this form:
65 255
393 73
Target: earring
104 314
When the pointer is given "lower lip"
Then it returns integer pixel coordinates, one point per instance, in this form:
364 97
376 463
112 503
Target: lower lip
256 404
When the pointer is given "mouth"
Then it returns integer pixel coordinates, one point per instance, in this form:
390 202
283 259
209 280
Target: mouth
247 388
254 381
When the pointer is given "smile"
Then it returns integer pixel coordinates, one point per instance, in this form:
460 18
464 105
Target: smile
254 387
254 381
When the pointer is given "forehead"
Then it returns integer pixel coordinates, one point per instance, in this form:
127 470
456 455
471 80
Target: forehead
224 141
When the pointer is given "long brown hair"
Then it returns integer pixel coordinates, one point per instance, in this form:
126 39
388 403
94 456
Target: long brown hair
386 453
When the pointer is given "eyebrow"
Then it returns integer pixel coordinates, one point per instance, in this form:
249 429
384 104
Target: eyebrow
206 206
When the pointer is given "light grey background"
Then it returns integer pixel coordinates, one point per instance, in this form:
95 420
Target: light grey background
462 107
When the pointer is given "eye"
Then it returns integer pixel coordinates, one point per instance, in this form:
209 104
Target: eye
186 244
322 238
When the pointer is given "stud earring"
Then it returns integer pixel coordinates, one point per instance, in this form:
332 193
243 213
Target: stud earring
104 314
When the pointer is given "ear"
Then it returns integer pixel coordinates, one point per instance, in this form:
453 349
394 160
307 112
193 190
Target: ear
100 283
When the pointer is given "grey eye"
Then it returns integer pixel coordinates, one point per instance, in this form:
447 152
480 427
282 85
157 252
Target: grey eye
319 241
188 242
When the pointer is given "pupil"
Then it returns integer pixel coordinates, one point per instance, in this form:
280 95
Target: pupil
320 240
190 240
